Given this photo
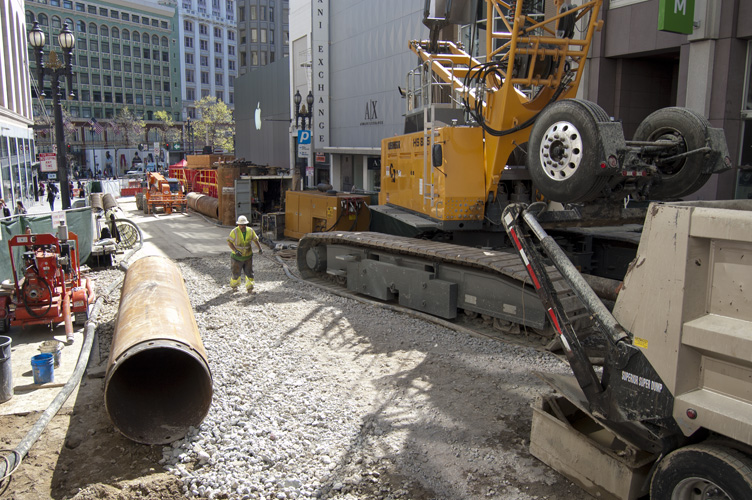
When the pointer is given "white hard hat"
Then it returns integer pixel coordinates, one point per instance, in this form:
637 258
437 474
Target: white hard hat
242 220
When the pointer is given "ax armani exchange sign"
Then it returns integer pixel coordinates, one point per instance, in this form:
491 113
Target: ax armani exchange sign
320 73
371 115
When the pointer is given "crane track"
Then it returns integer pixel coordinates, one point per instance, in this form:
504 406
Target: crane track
505 265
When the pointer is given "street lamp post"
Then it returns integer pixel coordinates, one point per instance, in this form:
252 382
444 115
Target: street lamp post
56 70
189 127
303 115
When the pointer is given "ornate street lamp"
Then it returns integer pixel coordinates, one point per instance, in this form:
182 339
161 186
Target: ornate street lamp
55 69
303 113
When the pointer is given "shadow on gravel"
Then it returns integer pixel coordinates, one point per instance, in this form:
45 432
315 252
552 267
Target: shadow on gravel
455 424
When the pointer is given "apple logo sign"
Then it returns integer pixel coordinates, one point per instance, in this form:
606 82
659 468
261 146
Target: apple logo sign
258 116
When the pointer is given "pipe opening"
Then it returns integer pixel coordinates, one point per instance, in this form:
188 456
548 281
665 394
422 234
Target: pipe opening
155 394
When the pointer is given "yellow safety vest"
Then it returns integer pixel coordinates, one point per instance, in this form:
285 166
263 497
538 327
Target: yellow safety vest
243 242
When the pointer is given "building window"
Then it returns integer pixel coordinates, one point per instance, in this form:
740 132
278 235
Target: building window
241 13
137 67
165 56
217 47
157 100
188 58
254 16
205 61
165 42
218 62
262 11
163 25
91 9
203 29
127 66
96 96
127 50
263 35
231 35
219 95
242 59
125 17
217 32
204 44
139 100
139 84
242 37
104 31
108 97
166 86
94 45
145 20
105 64
136 37
115 33
116 65
205 93
94 62
219 79
271 36
116 48
157 71
147 53
205 78
83 61
105 47
254 35
85 95
254 58
263 58
135 19
231 50
231 65
190 94
147 84
118 81
189 75
188 26
147 69
107 80
114 14
84 78
103 12
128 82
95 79
271 14
126 35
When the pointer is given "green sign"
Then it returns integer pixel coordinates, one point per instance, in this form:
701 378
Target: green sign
676 16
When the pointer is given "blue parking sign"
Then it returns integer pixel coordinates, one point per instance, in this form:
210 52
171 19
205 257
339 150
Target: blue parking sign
304 136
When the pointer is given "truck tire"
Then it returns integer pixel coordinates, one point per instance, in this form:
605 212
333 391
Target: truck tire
703 471
683 176
564 150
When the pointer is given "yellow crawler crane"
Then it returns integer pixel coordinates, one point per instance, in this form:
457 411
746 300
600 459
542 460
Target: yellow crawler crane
483 133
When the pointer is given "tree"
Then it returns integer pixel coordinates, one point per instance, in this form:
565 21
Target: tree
128 127
167 127
215 124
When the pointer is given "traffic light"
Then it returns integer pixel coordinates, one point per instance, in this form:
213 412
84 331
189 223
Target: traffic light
68 148
167 146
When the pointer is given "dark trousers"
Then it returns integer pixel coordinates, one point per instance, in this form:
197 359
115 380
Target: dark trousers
237 266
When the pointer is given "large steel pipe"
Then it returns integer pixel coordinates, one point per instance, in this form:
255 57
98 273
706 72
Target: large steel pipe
203 204
158 382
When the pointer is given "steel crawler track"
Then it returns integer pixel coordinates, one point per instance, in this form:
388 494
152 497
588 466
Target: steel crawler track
438 278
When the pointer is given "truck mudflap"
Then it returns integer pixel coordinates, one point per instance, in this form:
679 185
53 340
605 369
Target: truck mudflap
433 277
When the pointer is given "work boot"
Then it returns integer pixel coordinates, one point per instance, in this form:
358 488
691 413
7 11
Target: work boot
234 283
249 284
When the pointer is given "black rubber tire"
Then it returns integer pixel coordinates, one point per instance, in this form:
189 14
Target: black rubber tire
580 183
699 465
684 176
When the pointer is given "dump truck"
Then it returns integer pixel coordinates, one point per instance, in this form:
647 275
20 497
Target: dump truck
670 413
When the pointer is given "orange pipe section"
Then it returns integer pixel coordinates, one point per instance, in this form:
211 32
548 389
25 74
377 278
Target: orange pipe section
158 381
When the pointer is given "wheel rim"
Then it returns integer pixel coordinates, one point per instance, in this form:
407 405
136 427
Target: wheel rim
695 488
561 151
671 135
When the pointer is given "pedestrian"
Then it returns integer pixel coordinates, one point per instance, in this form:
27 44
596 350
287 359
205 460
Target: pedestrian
20 208
41 189
242 254
6 210
51 194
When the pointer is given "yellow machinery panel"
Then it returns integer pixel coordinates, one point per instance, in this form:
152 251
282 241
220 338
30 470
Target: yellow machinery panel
315 212
452 191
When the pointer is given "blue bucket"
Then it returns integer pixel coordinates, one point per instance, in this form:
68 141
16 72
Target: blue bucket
43 367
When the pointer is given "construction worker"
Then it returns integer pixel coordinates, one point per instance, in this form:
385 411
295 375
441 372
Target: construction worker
242 254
